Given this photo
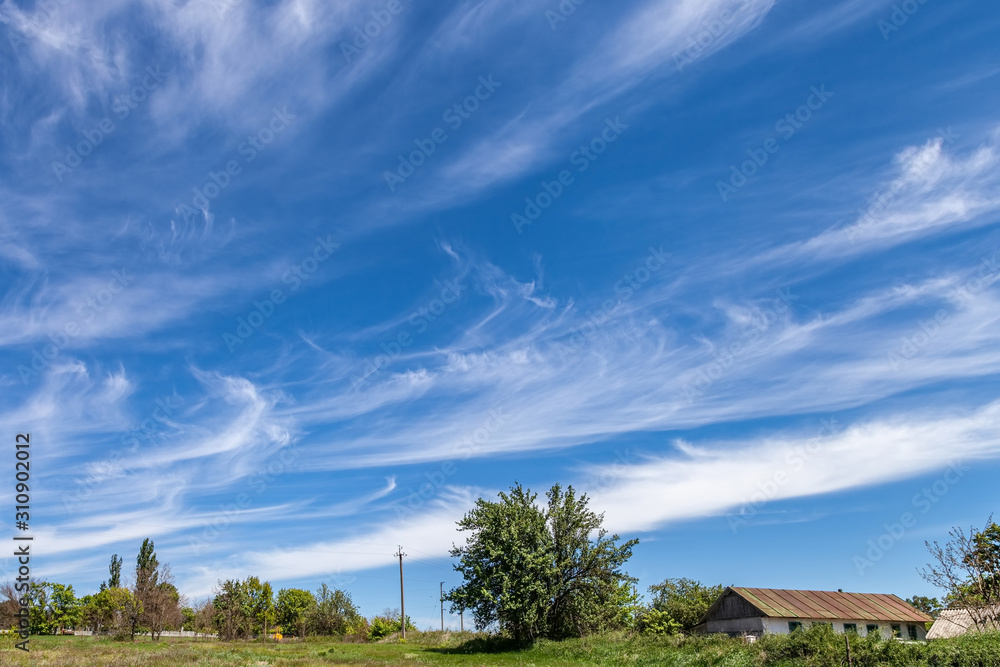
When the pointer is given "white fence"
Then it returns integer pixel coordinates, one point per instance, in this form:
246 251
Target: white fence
166 633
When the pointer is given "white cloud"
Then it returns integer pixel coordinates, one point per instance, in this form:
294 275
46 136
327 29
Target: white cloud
726 476
934 188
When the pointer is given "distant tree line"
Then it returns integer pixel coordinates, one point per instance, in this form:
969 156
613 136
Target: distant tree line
530 570
149 603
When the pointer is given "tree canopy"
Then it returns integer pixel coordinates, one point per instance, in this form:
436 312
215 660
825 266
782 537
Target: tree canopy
292 607
241 608
684 601
967 567
541 572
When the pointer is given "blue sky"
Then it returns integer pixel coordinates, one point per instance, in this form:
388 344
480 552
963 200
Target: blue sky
283 295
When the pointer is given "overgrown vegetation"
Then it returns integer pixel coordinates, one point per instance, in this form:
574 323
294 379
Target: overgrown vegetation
812 648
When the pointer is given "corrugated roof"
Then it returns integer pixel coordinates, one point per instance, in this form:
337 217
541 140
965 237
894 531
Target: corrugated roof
781 603
956 622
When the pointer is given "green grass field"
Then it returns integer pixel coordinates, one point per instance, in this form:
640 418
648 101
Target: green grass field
433 648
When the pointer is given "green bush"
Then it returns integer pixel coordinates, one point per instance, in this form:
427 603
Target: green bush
657 622
383 626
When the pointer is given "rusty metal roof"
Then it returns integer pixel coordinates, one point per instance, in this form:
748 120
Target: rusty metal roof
780 603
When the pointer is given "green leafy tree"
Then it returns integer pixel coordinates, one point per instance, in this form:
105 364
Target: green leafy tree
118 609
333 613
64 609
114 572
39 614
146 567
97 611
292 608
261 599
590 593
684 600
52 607
242 607
929 606
967 567
188 618
536 572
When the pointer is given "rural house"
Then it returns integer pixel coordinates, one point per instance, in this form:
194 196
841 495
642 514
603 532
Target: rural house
756 611
956 622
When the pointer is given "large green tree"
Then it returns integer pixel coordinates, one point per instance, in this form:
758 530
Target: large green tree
241 608
684 601
146 567
541 571
291 609
52 607
114 573
155 590
115 608
333 613
64 609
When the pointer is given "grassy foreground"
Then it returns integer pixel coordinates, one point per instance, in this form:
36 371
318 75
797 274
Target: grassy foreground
433 648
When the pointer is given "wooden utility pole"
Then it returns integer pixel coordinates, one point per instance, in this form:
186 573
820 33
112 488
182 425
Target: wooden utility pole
402 598
847 640
442 606
461 619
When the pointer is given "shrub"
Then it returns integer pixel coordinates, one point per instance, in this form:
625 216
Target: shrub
656 622
383 626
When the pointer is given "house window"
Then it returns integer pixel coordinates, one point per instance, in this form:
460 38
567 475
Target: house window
794 625
897 630
913 633
871 628
851 627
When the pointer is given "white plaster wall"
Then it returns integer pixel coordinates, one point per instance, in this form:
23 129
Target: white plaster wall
779 626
